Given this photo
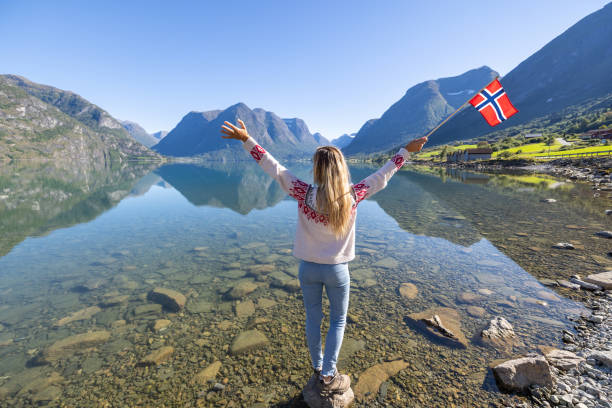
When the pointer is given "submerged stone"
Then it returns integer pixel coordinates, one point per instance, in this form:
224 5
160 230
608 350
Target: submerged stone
170 299
157 357
83 314
440 324
241 289
248 340
499 334
199 306
408 291
245 308
70 345
371 379
209 373
349 348
161 324
603 279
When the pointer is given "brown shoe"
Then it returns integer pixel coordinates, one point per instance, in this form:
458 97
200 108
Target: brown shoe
339 384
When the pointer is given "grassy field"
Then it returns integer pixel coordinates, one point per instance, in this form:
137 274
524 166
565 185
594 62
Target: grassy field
529 150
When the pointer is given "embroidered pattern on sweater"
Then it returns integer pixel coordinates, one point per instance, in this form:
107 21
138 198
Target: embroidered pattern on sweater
361 190
398 160
257 152
300 191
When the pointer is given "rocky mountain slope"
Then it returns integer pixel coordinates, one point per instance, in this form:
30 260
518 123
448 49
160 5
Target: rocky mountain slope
419 110
43 122
198 134
139 134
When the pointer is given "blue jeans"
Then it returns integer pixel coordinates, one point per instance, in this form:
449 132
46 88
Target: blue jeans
335 278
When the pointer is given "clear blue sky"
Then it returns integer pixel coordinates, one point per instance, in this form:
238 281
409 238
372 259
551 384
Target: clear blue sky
334 64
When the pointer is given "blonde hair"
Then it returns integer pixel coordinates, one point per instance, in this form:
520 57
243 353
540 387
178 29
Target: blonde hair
334 188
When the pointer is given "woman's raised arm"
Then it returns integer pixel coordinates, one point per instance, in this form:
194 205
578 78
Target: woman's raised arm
378 180
293 186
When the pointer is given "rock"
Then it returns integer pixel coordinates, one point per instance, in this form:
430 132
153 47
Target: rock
485 292
563 245
603 357
441 324
264 303
161 324
241 289
548 282
147 310
469 297
476 311
408 291
567 284
110 301
371 379
562 359
170 299
248 340
389 263
71 345
500 334
46 395
585 285
245 308
157 356
199 306
314 399
519 374
603 279
82 314
604 234
207 374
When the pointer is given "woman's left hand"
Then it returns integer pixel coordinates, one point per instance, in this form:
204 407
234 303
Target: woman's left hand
416 145
234 132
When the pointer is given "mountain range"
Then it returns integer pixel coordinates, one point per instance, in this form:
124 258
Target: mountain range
572 69
344 140
198 134
421 108
40 121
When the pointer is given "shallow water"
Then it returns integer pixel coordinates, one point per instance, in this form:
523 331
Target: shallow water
103 238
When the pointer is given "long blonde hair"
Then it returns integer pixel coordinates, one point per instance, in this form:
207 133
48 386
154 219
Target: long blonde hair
334 188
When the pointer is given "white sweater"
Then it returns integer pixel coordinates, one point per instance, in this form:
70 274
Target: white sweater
314 240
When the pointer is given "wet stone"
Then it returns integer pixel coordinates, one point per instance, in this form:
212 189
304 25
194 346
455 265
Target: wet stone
469 297
147 310
389 263
199 306
157 357
476 311
349 347
264 303
408 291
245 308
161 324
70 345
370 380
440 324
241 289
207 374
248 340
168 298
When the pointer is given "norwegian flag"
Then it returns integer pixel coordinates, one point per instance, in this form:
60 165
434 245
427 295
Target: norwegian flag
493 103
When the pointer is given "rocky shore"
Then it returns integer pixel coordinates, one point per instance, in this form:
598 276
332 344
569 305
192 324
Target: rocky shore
579 375
597 170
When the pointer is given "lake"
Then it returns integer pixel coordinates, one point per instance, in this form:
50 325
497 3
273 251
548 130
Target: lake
81 248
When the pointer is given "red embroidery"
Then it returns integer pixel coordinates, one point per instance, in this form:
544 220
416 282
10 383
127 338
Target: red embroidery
398 160
257 152
361 190
298 191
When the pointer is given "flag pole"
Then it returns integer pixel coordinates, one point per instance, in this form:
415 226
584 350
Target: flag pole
458 109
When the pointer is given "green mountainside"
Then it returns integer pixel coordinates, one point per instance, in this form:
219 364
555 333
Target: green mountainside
43 122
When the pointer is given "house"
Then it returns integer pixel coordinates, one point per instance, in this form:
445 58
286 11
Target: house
597 134
482 153
532 135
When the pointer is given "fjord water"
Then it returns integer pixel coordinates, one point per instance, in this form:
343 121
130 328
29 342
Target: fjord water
97 240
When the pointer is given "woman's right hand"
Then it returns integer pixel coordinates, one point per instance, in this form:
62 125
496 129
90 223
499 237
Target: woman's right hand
416 145
234 132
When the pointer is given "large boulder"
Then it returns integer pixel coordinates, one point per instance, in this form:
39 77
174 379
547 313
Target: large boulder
371 379
562 359
441 324
170 299
603 279
517 375
499 334
315 399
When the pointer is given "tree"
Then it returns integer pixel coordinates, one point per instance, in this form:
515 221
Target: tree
483 145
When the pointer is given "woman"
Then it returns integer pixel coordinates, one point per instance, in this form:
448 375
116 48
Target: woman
324 239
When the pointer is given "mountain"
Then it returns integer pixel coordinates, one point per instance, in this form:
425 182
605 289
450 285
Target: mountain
321 140
418 111
160 135
199 134
138 133
43 122
344 140
570 70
